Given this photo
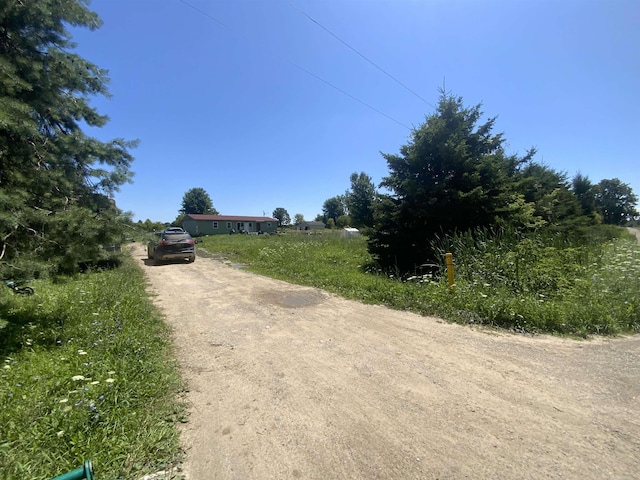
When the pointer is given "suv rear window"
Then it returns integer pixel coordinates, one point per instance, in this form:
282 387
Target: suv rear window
173 235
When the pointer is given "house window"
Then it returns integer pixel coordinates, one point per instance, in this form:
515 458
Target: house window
250 225
228 225
215 224
269 224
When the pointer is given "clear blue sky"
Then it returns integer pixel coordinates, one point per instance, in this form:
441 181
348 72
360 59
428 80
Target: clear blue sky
218 95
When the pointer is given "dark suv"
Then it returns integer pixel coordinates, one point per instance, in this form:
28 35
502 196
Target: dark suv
171 244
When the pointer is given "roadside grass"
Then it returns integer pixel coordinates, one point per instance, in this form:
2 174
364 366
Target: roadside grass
87 372
549 283
532 284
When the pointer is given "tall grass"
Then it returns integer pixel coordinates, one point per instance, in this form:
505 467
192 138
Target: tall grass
580 285
548 283
86 373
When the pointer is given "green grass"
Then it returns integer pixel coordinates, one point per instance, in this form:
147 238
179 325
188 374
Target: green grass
86 373
536 283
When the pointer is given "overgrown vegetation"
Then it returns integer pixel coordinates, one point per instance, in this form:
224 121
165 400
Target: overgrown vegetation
581 284
86 373
534 283
454 175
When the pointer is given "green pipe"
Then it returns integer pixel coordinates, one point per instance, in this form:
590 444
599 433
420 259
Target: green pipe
80 473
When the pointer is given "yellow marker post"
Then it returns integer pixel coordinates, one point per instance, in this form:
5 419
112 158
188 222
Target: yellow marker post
449 258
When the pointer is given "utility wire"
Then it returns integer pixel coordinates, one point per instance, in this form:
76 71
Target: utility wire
203 13
361 54
314 75
350 96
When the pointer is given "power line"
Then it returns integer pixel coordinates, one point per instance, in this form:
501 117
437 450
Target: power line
350 96
203 13
313 74
361 54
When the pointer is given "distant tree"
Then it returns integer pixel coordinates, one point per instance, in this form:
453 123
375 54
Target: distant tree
150 226
343 221
360 200
333 208
331 224
197 200
57 183
453 175
615 201
282 215
298 218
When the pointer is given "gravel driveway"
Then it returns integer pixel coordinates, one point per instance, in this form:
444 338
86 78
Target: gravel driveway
291 382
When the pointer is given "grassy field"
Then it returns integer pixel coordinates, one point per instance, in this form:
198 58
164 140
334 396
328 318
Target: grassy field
86 373
531 284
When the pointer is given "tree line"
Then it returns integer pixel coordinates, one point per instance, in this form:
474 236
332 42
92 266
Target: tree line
454 175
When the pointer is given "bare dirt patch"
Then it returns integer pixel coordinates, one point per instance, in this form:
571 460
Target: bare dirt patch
292 382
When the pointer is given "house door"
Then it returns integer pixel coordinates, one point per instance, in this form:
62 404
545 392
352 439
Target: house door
257 227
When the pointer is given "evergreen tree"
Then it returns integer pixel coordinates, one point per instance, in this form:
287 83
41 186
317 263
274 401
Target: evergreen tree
584 190
548 191
56 183
454 174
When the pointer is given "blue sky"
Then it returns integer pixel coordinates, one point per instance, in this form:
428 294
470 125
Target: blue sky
233 95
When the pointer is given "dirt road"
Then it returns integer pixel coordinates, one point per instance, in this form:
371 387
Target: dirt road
291 382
